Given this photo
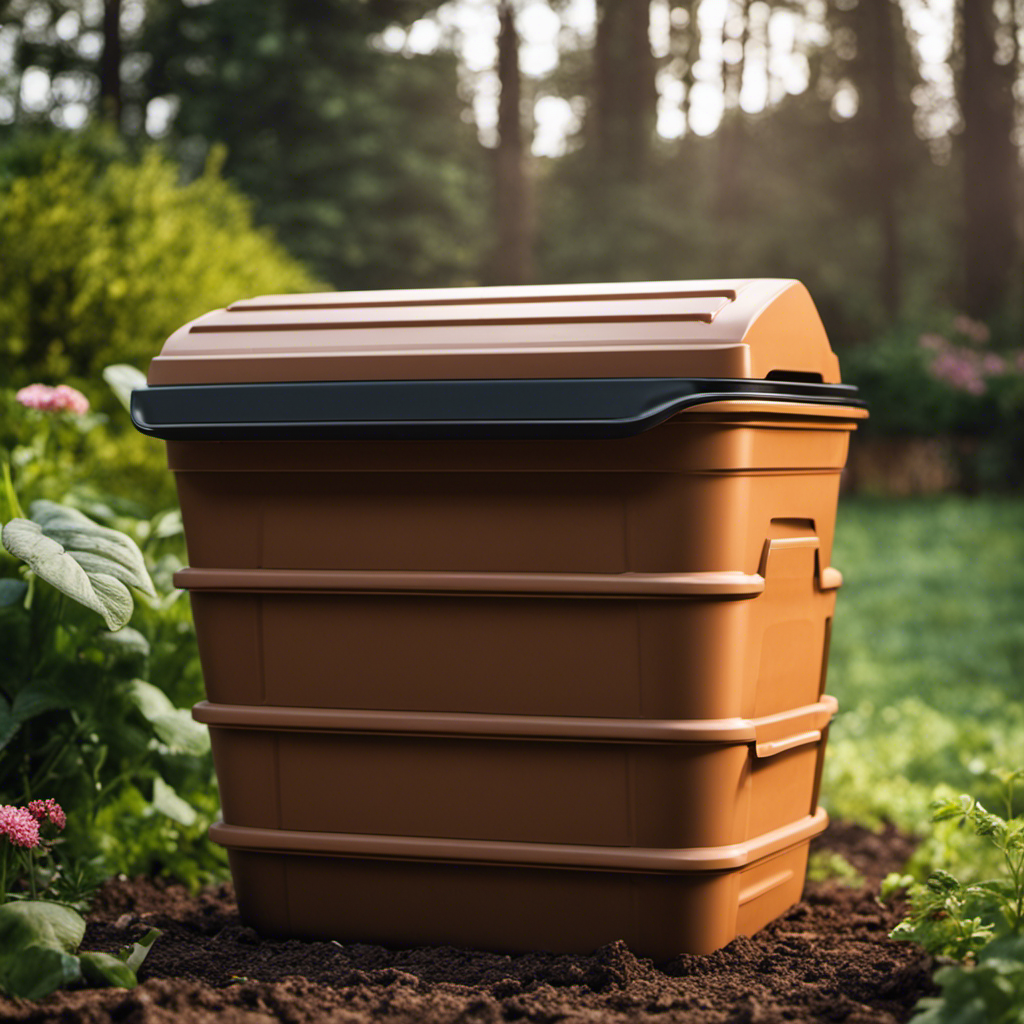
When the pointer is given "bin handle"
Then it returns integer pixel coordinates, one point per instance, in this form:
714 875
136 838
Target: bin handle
826 578
771 747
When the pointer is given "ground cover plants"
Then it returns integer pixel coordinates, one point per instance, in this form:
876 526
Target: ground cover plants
979 924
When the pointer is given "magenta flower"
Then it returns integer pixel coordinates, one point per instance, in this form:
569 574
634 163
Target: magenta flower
62 398
973 330
961 369
20 827
48 810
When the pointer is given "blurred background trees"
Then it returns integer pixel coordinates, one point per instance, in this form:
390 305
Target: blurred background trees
870 148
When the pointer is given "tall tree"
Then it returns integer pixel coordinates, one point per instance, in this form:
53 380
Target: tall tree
513 260
732 131
989 161
360 157
873 56
882 19
684 41
625 91
110 63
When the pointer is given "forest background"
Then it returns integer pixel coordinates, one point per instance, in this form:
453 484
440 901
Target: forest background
870 148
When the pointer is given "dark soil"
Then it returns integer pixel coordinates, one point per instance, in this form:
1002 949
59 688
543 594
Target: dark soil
828 959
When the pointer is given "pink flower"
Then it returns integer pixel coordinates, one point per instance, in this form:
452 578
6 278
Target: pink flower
70 400
48 809
36 396
961 369
993 364
20 827
932 342
974 330
59 399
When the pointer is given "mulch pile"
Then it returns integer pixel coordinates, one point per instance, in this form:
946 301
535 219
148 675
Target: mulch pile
828 959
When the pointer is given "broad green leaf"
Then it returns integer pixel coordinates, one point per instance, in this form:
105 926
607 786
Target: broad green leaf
102 969
50 562
123 379
32 972
41 923
168 524
37 699
12 592
98 549
126 641
166 801
9 726
173 726
138 951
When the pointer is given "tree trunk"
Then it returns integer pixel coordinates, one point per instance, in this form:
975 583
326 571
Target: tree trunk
686 49
110 64
989 161
626 93
884 134
732 131
513 263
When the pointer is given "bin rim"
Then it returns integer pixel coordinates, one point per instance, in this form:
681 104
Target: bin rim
478 409
632 859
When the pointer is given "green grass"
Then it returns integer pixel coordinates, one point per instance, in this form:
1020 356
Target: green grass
927 653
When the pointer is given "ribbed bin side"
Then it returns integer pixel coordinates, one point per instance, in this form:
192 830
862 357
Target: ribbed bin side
686 496
320 640
522 789
514 908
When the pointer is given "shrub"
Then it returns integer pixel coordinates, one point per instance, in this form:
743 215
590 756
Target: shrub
104 258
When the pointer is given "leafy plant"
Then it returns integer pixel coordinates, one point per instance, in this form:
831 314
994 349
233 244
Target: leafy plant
75 716
111 740
978 923
990 992
39 953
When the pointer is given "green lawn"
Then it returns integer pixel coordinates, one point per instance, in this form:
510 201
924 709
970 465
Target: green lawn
927 652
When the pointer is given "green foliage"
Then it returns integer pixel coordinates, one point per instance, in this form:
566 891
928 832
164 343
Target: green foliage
958 918
829 866
90 716
977 922
989 992
927 655
39 952
104 260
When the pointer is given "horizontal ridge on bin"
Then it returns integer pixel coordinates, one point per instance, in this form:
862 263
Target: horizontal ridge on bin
494 852
628 584
772 734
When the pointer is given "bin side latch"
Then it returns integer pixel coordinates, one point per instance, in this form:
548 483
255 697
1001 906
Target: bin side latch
797 556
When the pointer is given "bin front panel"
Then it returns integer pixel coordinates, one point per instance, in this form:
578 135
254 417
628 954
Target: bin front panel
513 909
601 794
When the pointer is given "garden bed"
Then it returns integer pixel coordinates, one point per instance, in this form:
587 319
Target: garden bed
828 959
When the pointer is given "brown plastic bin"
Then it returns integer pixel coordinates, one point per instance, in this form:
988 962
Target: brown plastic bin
574 781
514 897
536 580
654 645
